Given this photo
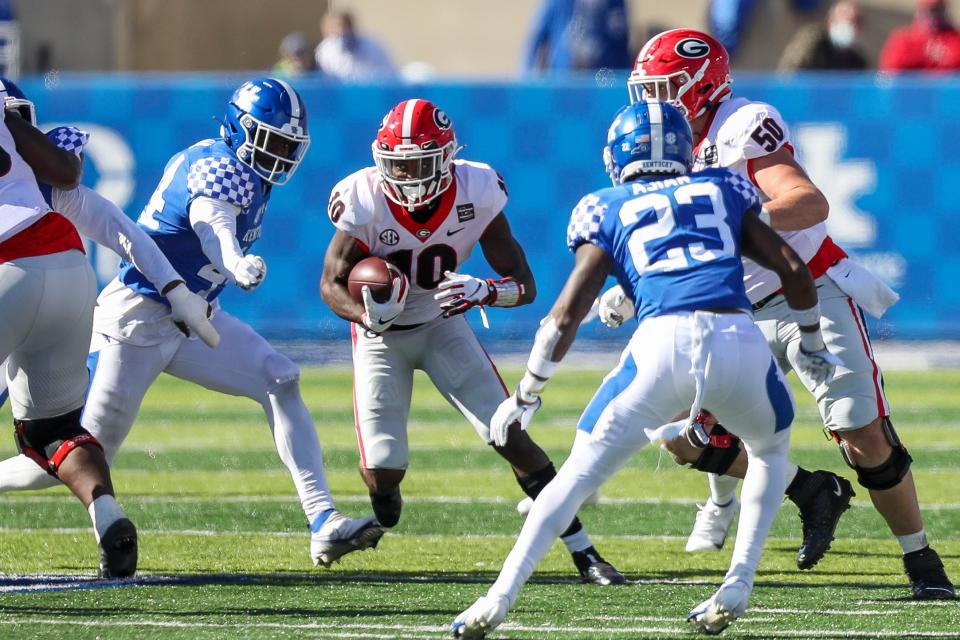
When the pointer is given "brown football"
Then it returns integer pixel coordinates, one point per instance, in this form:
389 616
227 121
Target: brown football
373 272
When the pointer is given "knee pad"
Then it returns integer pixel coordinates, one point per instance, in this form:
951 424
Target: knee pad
887 475
719 454
279 370
49 441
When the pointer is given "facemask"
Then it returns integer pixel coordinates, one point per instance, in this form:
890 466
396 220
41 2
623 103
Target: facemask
842 34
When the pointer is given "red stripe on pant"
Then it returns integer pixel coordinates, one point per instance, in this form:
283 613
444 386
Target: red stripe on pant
356 415
883 408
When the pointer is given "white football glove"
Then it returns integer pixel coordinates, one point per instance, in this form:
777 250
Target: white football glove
378 316
615 307
459 292
511 410
249 271
819 366
190 312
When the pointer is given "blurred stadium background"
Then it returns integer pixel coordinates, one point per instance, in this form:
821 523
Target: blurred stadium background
149 77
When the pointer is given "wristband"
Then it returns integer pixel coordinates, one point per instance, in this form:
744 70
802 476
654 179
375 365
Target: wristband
812 341
807 317
530 388
505 292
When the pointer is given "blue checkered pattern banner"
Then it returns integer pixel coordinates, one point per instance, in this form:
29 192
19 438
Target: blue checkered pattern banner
883 152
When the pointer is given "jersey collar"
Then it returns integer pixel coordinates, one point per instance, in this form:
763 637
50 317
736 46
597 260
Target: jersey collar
425 231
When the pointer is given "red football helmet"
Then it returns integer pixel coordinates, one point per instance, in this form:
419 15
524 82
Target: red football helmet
685 67
414 153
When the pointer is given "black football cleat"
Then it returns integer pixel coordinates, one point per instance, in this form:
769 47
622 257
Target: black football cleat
594 569
928 579
118 550
387 507
822 501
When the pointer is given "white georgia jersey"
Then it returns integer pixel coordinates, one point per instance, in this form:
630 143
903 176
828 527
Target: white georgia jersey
740 131
22 202
359 207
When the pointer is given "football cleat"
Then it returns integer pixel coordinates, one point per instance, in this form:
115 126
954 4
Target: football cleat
594 569
821 506
928 579
482 616
341 535
726 605
711 527
118 550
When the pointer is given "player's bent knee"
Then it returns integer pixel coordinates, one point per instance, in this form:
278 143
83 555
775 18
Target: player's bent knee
49 441
883 476
280 371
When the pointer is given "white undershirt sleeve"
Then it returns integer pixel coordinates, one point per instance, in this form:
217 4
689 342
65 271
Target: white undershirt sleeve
103 222
215 223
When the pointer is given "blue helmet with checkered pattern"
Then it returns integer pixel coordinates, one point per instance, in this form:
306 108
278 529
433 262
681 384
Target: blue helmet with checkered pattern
15 100
266 126
649 137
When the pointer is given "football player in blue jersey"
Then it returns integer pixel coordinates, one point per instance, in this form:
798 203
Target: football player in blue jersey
675 241
205 215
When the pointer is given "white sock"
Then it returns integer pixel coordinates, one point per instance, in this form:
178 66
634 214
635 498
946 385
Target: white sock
295 437
104 511
913 541
577 541
723 489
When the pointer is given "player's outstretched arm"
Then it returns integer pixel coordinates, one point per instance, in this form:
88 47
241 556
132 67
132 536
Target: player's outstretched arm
50 163
507 258
343 253
215 223
795 202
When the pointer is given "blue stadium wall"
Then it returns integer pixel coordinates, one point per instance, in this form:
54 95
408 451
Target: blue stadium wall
884 152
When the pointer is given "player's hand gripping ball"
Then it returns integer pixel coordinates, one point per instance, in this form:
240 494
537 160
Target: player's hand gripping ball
381 288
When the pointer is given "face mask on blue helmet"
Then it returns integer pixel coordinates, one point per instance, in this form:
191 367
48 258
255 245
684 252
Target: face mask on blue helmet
16 101
266 126
648 137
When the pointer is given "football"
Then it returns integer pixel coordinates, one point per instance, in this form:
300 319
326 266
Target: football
373 272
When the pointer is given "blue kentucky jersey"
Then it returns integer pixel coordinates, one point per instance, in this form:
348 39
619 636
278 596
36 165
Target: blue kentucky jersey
675 241
208 168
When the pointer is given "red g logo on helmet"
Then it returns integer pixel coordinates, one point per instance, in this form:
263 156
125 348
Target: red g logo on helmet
692 48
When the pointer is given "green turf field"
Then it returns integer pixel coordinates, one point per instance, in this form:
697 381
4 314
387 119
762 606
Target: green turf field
224 545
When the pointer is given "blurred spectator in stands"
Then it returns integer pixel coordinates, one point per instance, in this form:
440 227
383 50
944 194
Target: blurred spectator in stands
578 35
296 56
832 46
728 18
931 43
345 54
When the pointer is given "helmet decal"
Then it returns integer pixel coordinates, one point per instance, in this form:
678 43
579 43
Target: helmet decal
441 119
692 48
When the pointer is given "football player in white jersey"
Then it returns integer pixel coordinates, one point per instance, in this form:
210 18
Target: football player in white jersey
424 211
205 214
692 70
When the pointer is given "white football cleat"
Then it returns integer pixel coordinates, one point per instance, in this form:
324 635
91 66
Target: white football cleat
524 506
726 605
483 616
341 535
711 526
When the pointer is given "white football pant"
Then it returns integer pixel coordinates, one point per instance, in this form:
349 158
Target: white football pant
723 360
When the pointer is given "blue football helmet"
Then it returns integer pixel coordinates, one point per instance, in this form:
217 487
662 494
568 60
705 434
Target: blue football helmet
266 126
15 100
648 137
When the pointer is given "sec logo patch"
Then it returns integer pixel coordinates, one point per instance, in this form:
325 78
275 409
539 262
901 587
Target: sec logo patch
389 237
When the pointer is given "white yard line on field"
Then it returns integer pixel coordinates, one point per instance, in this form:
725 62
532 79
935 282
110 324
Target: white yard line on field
368 630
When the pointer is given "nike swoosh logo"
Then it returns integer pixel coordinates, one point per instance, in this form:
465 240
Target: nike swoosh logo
838 492
450 232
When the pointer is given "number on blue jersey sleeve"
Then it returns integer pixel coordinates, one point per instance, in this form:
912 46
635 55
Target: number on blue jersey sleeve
745 189
585 221
221 178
